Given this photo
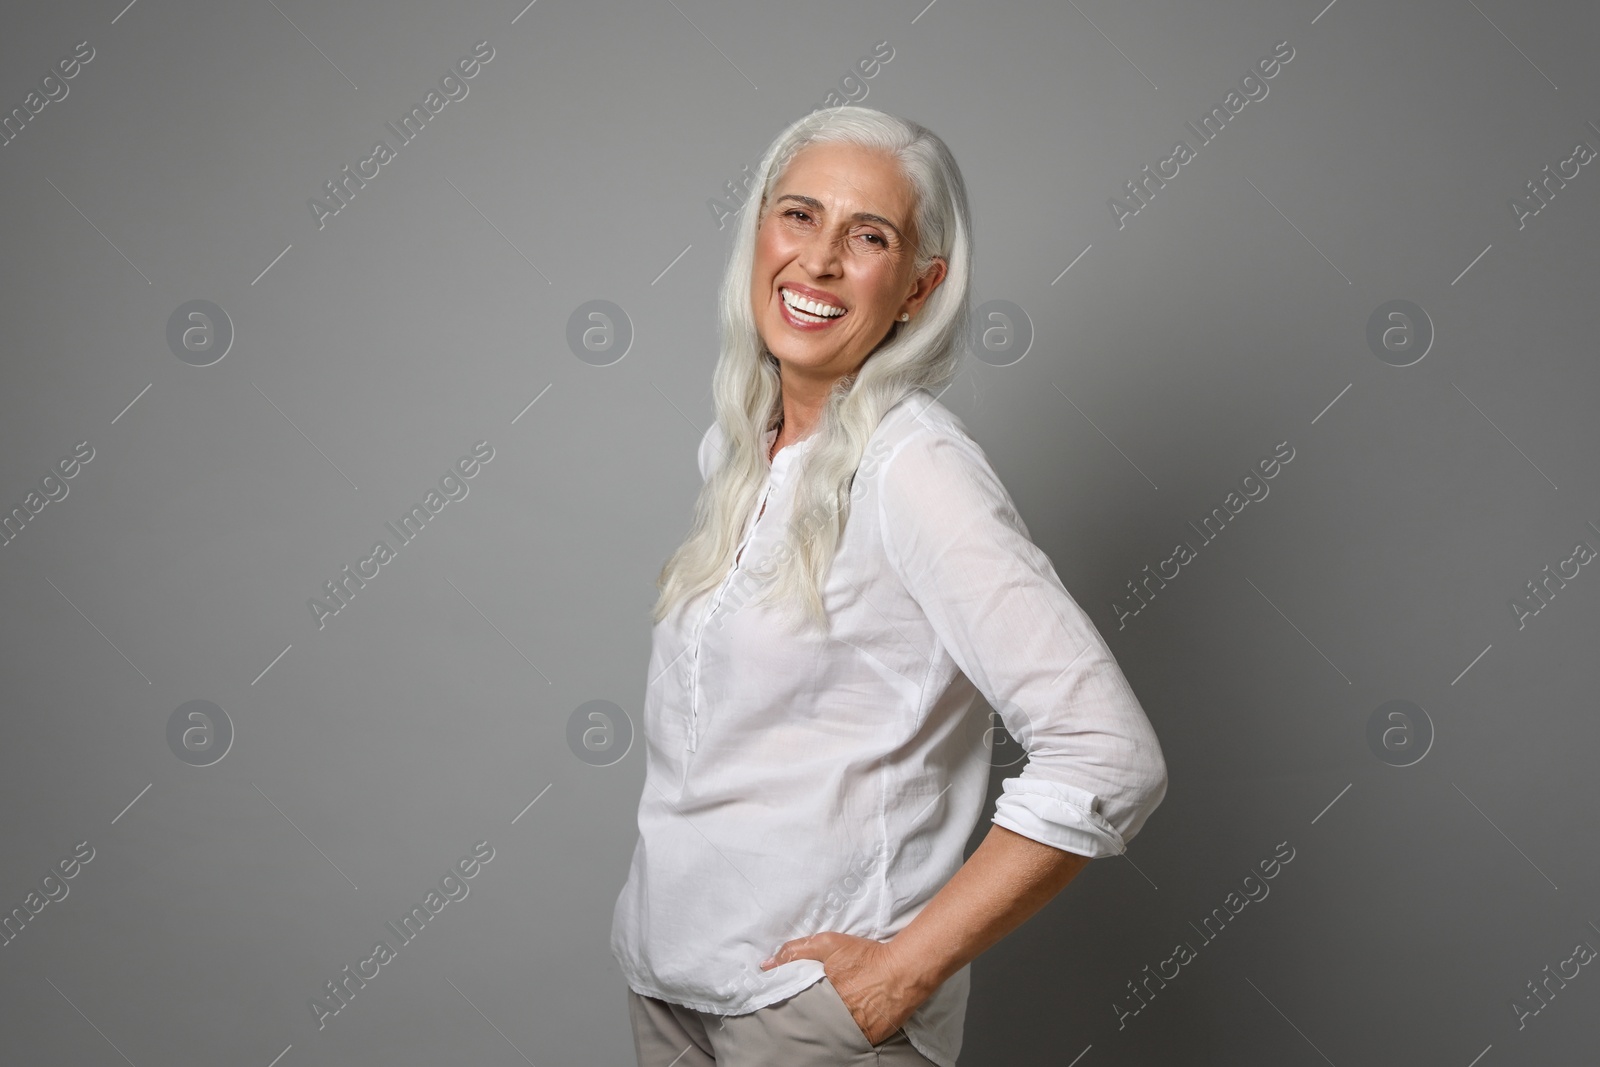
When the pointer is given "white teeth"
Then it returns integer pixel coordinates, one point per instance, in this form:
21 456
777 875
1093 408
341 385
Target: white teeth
797 302
806 316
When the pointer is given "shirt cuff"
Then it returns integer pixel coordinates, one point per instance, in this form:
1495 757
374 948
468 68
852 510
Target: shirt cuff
1061 816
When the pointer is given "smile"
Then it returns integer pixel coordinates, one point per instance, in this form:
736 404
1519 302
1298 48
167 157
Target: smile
804 311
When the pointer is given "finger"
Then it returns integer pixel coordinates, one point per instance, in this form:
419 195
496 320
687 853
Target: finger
801 948
779 957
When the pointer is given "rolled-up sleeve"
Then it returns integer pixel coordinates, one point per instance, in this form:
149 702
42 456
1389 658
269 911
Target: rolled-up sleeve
953 536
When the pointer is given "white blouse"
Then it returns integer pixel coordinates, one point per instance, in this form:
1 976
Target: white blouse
796 782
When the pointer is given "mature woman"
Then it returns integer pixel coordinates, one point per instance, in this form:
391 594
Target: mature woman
856 577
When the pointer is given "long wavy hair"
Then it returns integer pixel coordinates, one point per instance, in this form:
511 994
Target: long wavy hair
922 353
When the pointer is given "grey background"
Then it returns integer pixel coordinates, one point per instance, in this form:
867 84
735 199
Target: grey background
1229 315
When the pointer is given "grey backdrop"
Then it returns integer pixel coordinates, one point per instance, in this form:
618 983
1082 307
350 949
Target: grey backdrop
245 795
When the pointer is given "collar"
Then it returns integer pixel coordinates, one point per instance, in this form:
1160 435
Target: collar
786 454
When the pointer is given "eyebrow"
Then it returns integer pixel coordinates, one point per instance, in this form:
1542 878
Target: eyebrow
861 216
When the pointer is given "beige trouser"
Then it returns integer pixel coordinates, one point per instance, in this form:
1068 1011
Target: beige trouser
813 1028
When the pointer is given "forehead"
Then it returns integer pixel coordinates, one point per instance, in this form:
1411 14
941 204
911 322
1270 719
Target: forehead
848 178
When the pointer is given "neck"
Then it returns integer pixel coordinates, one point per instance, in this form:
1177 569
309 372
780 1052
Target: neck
801 405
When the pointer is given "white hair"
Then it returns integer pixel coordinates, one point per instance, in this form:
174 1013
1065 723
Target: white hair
922 353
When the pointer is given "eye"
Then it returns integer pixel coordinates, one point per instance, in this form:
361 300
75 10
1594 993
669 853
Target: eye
877 240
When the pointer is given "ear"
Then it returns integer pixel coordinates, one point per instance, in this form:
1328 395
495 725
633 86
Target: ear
927 282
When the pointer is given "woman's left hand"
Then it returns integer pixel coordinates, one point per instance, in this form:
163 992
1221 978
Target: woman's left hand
871 980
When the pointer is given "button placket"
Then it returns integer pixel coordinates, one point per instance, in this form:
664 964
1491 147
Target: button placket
711 609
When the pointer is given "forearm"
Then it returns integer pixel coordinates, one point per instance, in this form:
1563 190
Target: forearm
1005 880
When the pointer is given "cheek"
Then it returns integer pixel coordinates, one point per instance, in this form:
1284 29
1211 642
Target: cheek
761 270
768 259
773 247
877 288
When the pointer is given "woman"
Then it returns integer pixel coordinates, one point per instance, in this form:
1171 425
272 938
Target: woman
855 578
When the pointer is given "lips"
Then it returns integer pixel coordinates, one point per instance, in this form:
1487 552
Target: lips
826 303
804 321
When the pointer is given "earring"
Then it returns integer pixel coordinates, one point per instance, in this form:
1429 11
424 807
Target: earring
905 316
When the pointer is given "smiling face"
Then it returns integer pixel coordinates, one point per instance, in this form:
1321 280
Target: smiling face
838 233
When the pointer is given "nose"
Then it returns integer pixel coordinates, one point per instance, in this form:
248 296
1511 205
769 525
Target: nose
819 254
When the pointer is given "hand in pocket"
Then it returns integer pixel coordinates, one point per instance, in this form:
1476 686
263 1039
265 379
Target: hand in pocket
870 980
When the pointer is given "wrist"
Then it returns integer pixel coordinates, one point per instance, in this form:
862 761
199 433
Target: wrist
917 969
